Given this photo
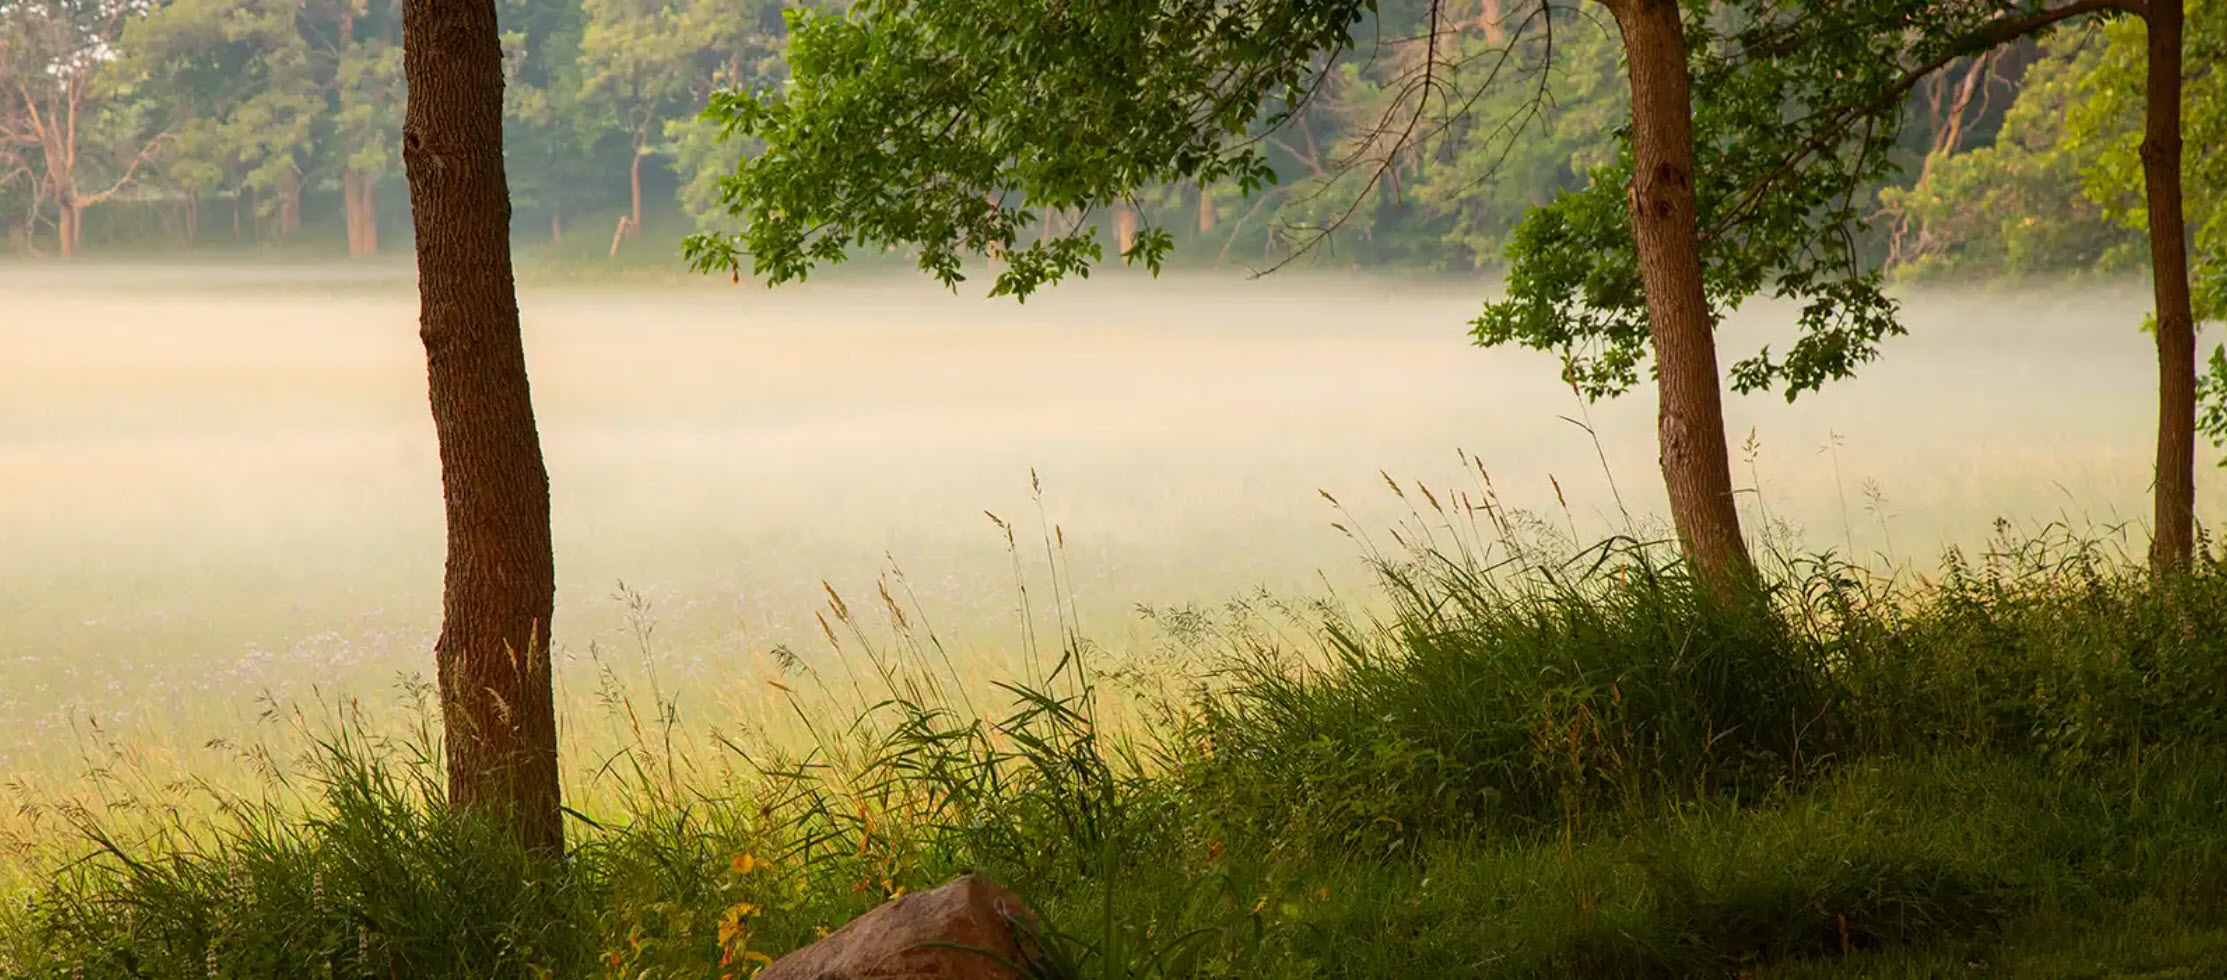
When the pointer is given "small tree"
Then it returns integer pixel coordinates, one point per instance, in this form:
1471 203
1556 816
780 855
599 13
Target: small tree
69 124
1801 103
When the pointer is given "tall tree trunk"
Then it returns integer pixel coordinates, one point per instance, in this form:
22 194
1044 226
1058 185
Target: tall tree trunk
290 205
193 218
634 184
350 201
1696 466
2173 538
368 192
1125 226
65 229
1206 211
1492 22
556 225
493 653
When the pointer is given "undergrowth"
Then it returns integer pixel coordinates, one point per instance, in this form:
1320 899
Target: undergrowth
1525 764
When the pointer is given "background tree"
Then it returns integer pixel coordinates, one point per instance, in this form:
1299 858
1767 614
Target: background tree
636 61
70 125
548 138
366 93
497 703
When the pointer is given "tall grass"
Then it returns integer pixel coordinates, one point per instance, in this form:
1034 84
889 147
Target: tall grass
1536 761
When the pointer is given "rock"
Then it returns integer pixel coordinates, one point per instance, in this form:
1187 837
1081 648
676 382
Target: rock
886 943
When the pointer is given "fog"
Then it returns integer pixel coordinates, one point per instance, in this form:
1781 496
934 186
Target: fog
217 481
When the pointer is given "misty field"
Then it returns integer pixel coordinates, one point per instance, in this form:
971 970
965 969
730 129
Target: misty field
1318 665
220 481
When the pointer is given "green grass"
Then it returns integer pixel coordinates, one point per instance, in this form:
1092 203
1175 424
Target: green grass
1531 766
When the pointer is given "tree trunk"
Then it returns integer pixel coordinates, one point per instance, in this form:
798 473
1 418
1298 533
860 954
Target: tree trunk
493 651
290 206
1491 21
1696 467
634 183
2173 538
350 201
1206 211
65 229
370 206
1125 226
193 218
556 226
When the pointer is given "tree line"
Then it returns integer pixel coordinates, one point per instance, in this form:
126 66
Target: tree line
188 121
168 123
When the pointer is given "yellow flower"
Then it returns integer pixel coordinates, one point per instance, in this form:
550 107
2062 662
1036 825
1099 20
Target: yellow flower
730 923
746 863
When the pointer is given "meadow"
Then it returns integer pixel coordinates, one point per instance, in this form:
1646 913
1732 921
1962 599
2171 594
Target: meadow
1386 708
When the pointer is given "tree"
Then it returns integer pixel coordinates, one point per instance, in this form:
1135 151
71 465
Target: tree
1664 207
497 703
1801 109
2173 520
740 49
637 57
366 80
1851 65
548 138
68 123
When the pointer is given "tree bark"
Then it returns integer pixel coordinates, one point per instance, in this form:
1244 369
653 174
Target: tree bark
1125 227
1206 211
65 229
1696 466
2173 538
493 653
556 225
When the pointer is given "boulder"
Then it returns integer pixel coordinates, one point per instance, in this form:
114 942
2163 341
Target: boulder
888 942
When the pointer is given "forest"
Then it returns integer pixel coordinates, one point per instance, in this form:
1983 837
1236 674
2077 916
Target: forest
205 122
294 684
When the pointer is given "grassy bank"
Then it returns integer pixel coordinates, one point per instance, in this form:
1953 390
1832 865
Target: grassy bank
1533 765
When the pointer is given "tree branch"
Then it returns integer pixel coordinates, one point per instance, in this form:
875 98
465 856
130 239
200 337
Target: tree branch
1992 35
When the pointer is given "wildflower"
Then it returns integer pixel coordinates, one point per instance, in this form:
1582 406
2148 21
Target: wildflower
730 924
746 862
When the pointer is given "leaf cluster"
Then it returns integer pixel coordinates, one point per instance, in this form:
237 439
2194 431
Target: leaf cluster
955 125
